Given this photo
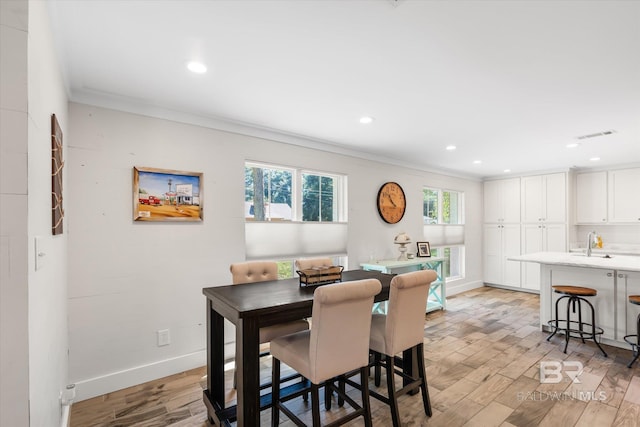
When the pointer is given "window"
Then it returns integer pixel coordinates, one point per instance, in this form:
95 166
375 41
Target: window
442 206
268 193
291 212
444 228
271 194
453 266
318 197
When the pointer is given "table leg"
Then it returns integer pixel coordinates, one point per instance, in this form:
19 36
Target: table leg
248 372
214 395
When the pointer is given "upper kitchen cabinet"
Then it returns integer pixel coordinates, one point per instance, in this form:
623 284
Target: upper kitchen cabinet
591 198
502 201
544 198
624 195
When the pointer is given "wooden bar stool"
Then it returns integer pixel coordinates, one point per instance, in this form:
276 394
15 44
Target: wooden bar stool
575 296
634 299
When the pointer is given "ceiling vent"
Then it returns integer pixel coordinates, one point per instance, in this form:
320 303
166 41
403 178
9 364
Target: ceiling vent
597 134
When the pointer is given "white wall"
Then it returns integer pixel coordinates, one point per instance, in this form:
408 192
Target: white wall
129 279
14 347
48 329
33 323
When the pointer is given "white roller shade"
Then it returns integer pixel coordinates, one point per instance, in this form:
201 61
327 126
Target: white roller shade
444 234
294 239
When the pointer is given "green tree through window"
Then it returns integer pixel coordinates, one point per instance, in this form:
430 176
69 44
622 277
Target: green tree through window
317 197
264 187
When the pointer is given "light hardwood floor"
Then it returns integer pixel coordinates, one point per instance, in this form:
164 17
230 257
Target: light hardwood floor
483 356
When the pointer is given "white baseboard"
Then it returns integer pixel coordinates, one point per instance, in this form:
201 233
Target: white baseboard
512 288
92 387
453 288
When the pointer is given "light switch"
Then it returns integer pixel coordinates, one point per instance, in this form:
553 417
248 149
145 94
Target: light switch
40 254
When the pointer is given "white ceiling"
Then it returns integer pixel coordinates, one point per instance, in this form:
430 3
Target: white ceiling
508 83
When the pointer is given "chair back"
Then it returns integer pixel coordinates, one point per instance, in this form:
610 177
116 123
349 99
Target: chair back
305 264
254 271
340 327
404 326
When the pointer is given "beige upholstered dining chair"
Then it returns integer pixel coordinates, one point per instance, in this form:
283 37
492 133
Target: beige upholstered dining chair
402 328
337 343
308 263
262 271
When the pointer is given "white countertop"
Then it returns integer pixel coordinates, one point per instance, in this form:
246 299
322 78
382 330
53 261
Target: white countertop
616 262
611 249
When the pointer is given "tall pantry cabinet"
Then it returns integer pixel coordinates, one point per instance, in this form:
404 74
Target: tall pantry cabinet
522 215
502 232
544 221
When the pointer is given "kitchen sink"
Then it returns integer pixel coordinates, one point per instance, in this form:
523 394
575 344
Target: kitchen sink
594 255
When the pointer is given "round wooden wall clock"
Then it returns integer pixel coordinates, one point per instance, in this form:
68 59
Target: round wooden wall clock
391 202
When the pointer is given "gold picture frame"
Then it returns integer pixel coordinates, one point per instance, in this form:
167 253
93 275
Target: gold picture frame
166 195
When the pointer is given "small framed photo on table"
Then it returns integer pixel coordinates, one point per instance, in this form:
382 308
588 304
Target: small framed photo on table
424 250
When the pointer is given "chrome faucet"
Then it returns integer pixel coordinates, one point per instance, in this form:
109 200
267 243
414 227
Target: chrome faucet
590 237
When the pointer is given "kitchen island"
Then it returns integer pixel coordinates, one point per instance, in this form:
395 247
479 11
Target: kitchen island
615 278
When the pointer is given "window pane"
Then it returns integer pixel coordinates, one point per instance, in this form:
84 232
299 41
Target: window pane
268 194
285 269
318 198
455 262
450 207
452 266
430 206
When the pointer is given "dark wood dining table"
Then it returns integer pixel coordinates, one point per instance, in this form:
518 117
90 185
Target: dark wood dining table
249 307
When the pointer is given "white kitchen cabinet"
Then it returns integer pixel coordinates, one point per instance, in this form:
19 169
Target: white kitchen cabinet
628 284
604 303
540 238
624 195
591 198
502 201
544 198
500 242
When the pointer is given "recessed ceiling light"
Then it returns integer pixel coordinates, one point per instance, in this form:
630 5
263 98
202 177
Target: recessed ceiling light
573 145
365 120
594 159
506 170
451 147
197 67
477 162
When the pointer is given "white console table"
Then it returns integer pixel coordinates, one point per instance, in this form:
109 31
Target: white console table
437 299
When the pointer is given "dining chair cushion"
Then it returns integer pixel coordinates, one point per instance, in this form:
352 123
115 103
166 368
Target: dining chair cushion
261 271
403 325
338 339
253 271
305 264
269 333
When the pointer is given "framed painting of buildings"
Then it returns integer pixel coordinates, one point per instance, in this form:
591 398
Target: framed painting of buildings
166 195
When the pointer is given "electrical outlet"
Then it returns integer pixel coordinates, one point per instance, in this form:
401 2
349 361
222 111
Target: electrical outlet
163 337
